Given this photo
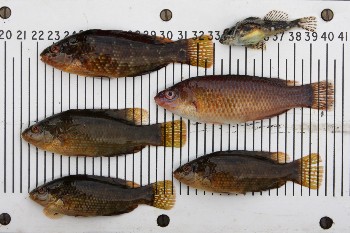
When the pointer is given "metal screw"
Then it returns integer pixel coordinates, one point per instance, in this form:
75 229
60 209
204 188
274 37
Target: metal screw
327 15
326 222
5 12
166 15
163 220
5 219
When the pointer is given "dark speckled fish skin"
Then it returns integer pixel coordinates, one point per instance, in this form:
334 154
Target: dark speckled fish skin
87 195
248 171
114 53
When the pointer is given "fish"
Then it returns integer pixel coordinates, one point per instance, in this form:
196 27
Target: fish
88 195
117 53
251 31
230 99
249 171
103 132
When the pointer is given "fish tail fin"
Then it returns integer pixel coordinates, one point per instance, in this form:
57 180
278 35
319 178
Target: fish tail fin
200 51
323 95
164 195
173 133
310 172
308 23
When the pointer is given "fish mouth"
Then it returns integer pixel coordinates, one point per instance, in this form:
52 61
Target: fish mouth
25 135
159 99
44 55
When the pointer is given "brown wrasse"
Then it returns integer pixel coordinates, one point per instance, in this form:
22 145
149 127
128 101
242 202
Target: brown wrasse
86 195
114 53
251 31
226 99
249 171
105 132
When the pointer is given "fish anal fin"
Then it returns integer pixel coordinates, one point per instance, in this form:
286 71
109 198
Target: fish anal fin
275 114
150 70
260 45
275 15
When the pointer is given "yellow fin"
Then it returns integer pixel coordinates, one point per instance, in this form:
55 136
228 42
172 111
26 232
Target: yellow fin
280 157
50 213
164 195
260 45
323 95
132 184
137 115
173 134
311 173
200 51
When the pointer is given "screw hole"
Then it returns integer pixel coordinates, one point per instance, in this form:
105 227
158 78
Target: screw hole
326 222
327 15
5 12
163 220
5 219
166 15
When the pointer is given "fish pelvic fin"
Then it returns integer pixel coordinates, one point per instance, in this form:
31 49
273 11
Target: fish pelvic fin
173 134
310 172
323 95
308 23
260 46
164 195
200 51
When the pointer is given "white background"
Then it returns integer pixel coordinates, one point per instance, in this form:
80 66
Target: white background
41 91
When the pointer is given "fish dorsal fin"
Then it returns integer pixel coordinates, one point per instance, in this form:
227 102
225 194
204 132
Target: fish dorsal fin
275 15
278 157
134 116
128 35
114 181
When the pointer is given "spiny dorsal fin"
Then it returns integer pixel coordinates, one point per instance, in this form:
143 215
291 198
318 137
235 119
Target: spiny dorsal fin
275 15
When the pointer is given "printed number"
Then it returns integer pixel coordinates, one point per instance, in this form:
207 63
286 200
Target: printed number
21 35
37 35
51 33
217 35
168 35
66 33
5 35
343 36
280 36
329 36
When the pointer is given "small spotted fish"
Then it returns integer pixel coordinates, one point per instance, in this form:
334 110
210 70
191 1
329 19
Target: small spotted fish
252 31
115 53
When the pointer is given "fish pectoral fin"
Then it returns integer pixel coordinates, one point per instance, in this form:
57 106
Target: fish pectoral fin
260 45
51 213
275 15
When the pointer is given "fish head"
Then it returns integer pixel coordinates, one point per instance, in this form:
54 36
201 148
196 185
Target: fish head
46 194
228 37
42 134
186 173
179 99
62 54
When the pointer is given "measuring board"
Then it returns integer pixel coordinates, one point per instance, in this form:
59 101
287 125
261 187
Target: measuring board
31 91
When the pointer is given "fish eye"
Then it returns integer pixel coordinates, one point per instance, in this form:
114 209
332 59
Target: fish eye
226 30
170 95
36 129
55 48
187 168
42 194
72 41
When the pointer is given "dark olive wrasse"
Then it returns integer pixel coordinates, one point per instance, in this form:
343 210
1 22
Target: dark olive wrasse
85 195
249 171
252 31
114 53
105 132
226 99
